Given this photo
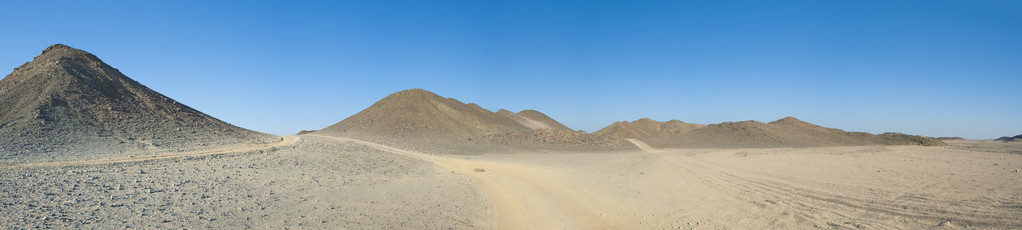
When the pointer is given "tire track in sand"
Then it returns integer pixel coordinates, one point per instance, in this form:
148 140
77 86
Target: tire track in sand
285 141
811 204
642 145
524 197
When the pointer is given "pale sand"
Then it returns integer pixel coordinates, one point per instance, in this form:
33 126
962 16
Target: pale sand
855 187
329 182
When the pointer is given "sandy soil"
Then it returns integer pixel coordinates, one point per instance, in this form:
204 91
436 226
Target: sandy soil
333 182
988 145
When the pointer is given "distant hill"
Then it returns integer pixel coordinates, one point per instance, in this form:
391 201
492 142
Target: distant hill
645 127
66 104
950 138
418 111
1009 139
533 120
786 132
425 121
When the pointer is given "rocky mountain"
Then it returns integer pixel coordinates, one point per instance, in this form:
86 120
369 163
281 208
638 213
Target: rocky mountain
786 132
422 120
418 111
645 127
533 120
67 103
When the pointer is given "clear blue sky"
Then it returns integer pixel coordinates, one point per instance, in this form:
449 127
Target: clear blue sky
934 67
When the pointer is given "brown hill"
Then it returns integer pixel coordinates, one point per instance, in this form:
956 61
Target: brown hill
645 127
424 121
951 138
418 112
67 103
533 119
786 132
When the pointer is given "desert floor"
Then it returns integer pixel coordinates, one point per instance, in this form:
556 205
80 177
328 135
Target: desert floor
312 181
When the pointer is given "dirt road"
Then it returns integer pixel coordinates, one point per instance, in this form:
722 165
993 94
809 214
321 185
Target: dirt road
523 196
840 187
642 145
314 181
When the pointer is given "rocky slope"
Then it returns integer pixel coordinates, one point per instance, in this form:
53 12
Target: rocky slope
533 120
424 121
418 111
67 104
645 127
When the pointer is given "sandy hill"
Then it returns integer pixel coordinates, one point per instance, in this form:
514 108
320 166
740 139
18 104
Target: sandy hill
645 127
67 103
422 120
786 132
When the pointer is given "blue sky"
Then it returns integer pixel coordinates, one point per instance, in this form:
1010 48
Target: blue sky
936 67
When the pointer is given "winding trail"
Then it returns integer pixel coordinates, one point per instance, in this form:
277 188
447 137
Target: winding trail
285 141
642 145
525 197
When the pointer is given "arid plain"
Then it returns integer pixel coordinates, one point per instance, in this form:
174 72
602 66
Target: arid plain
84 146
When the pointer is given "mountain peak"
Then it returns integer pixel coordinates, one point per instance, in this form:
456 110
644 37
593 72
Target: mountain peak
67 98
645 120
789 120
58 47
417 111
64 51
412 96
415 92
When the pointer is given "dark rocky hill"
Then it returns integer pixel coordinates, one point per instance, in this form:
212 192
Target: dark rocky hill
67 104
1008 139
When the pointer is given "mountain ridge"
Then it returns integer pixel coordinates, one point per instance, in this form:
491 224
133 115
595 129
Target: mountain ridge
786 132
422 120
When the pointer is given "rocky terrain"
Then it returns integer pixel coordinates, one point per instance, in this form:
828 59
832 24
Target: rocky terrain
558 139
336 182
424 121
66 103
316 183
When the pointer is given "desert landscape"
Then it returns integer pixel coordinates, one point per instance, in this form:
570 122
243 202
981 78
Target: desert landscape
84 146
